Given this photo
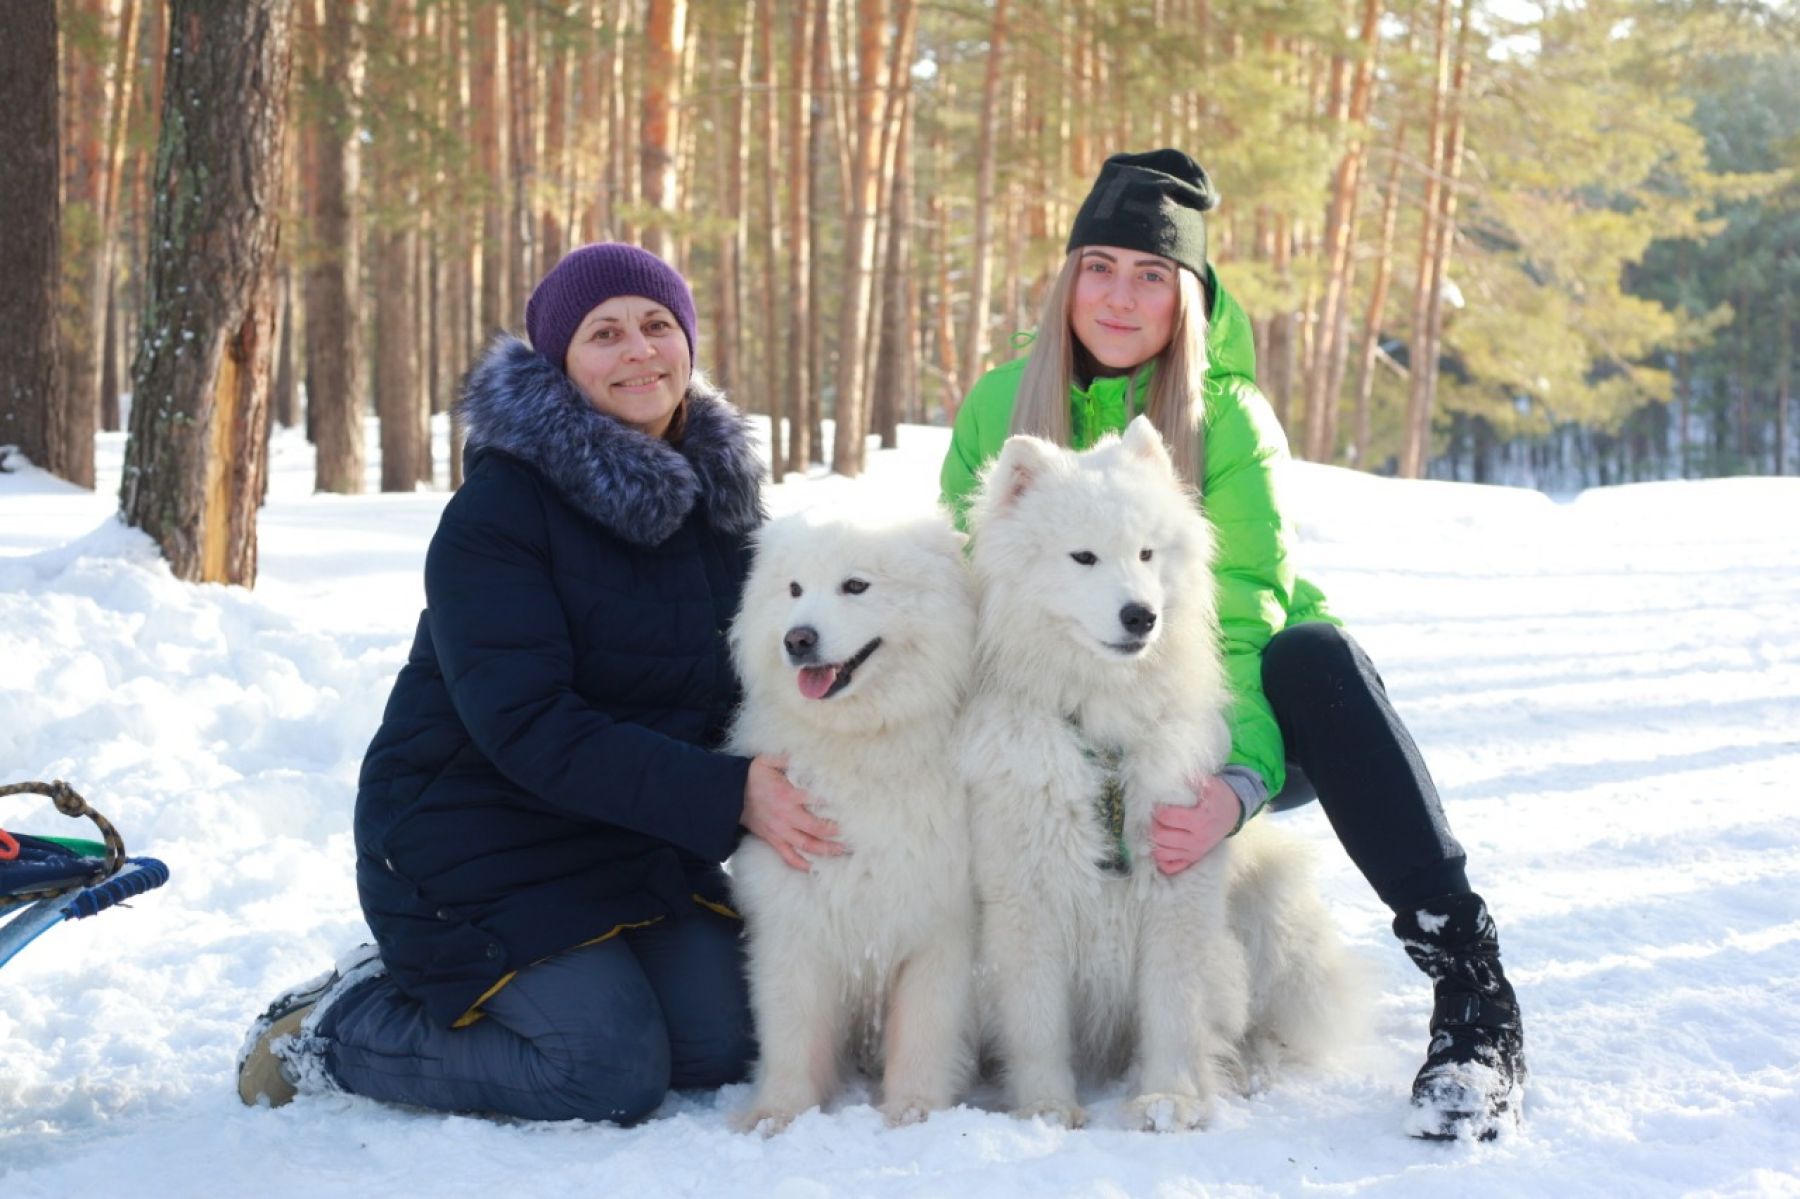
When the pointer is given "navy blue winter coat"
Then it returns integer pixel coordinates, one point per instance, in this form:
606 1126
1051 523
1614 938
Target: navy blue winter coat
546 771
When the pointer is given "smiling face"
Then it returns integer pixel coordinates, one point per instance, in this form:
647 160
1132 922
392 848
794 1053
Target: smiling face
630 359
1123 307
854 618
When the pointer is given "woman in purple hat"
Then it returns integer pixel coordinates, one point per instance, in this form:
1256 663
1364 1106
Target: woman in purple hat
543 812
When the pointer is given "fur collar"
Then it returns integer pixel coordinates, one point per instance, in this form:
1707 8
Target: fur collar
639 488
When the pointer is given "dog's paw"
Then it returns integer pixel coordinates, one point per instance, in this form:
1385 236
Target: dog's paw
906 1110
763 1119
1053 1111
1259 1064
1158 1112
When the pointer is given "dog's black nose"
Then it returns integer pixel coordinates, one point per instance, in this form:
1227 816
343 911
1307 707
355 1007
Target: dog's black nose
801 642
1137 619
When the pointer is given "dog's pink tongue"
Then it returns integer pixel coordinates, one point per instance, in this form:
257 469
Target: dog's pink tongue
815 681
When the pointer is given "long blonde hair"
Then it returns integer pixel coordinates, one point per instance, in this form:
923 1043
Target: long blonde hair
1176 402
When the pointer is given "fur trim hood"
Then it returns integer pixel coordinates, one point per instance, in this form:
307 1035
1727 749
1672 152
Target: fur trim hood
640 488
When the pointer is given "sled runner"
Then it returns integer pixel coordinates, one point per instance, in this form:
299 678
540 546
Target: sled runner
47 880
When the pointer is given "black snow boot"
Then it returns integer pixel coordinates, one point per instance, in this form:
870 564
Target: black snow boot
1473 1082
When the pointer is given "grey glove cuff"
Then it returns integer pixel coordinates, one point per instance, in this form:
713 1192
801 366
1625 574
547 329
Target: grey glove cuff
1251 791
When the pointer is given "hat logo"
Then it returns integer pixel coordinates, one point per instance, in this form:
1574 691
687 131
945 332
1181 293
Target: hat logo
1112 197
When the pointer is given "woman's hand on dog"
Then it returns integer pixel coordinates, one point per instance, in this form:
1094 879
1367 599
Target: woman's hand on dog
1181 835
777 811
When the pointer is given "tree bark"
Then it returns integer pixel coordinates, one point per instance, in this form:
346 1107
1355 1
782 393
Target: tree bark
733 115
197 454
665 34
799 383
553 236
397 393
1451 168
33 414
84 111
1326 378
123 88
1378 292
770 329
286 400
1429 279
895 374
821 90
521 145
888 334
333 332
486 54
863 196
981 285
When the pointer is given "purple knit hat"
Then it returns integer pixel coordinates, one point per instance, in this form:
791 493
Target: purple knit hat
590 276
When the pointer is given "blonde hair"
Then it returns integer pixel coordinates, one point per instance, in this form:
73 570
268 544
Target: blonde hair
1176 401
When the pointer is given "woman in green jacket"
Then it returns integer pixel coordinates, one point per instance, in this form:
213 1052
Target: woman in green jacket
1137 322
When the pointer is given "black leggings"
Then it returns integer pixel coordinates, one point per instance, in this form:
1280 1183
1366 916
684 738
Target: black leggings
1338 725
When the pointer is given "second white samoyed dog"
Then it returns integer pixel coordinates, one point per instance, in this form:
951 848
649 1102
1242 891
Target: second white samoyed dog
855 642
1100 693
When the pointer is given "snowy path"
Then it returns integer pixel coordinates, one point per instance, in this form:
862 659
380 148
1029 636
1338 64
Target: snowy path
1608 691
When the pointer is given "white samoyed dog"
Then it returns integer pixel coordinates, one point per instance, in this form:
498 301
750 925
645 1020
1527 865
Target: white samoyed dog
1100 693
855 643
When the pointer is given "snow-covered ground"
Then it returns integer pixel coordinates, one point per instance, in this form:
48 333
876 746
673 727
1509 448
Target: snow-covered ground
1608 690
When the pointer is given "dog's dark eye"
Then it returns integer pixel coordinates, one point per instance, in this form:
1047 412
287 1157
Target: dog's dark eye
1144 555
855 586
1084 557
794 590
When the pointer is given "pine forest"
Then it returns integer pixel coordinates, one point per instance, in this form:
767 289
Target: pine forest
1552 244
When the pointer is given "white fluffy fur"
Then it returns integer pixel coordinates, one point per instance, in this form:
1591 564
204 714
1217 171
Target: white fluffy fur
1230 965
869 955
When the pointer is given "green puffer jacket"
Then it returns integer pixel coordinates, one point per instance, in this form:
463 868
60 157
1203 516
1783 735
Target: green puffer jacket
1259 594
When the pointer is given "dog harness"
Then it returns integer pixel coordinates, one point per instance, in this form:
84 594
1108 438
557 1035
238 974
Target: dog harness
1109 805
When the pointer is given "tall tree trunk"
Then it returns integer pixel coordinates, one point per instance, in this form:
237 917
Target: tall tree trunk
1378 292
822 90
553 236
895 374
770 331
33 413
397 394
1429 279
665 38
1784 381
84 188
944 317
333 333
111 377
623 133
975 356
286 400
889 287
800 379
1282 337
864 197
486 55
1326 378
521 145
733 115
1451 169
197 454
124 80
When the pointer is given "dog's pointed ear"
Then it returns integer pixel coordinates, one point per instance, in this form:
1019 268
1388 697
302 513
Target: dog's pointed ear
1022 462
1142 441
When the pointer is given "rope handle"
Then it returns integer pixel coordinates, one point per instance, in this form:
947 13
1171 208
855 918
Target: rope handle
70 803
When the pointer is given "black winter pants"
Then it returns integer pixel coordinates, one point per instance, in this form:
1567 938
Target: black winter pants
1338 725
